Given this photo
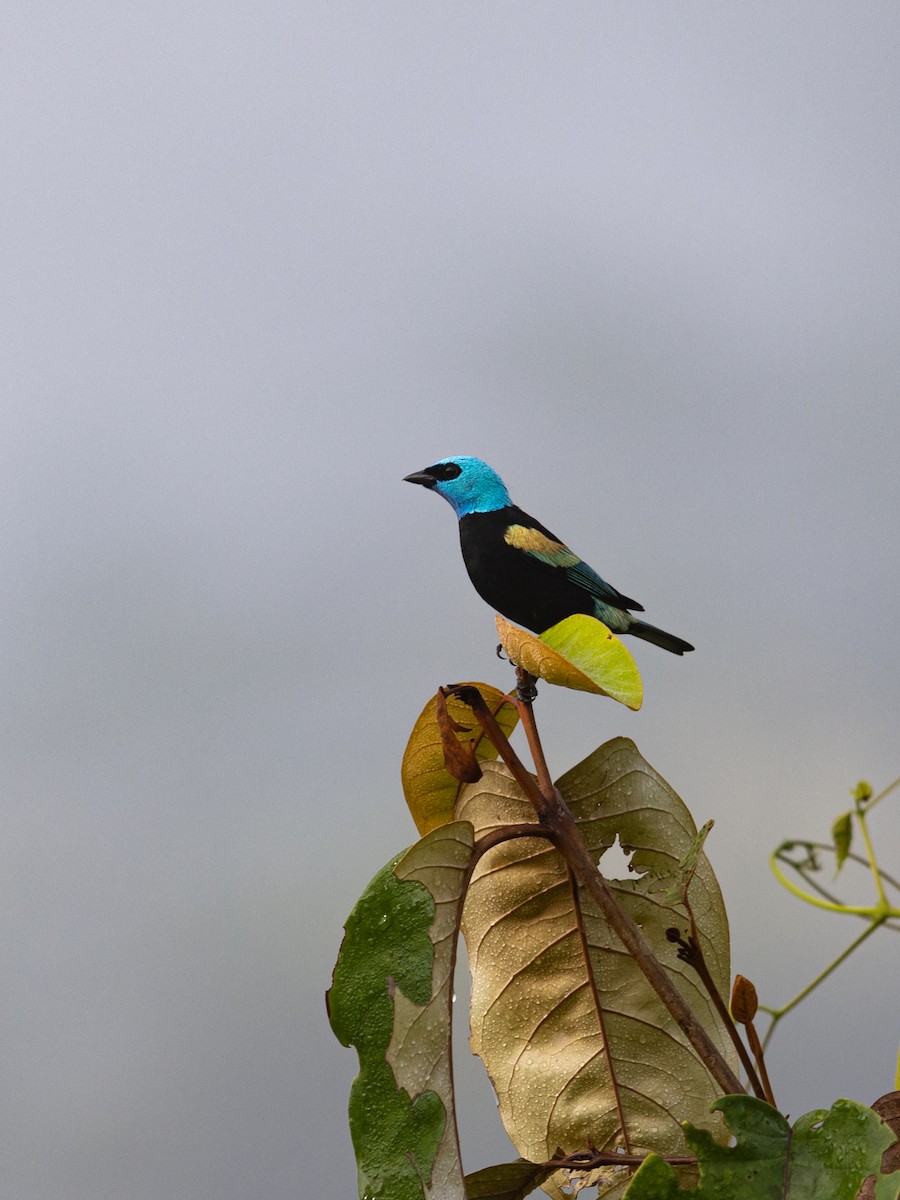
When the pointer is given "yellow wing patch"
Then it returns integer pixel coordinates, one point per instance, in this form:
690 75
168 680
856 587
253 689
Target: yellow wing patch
532 541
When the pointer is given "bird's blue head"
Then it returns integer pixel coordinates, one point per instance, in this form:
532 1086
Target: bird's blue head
469 484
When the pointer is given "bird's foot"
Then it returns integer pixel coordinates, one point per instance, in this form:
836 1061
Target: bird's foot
526 689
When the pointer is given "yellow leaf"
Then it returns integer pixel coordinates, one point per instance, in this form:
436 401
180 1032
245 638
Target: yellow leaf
429 788
581 653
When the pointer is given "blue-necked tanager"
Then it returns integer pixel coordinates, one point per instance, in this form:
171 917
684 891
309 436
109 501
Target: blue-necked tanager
522 569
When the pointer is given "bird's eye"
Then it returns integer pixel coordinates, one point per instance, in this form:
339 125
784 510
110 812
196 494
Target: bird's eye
444 471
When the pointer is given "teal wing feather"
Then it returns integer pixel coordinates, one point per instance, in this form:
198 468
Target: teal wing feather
588 578
538 542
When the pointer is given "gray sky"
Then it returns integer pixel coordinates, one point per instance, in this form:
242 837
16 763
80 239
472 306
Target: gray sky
259 262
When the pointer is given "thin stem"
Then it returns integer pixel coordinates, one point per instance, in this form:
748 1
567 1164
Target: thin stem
526 715
881 911
881 871
587 1161
865 914
698 962
828 848
881 795
691 953
753 1039
777 1013
870 854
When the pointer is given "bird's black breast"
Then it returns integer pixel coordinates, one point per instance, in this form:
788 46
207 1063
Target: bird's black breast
524 589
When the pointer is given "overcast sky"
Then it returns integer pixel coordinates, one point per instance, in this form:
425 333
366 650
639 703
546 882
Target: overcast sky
259 261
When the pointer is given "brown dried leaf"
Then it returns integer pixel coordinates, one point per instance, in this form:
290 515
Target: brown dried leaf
459 756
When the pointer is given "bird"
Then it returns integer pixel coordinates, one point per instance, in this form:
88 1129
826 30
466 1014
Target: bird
519 567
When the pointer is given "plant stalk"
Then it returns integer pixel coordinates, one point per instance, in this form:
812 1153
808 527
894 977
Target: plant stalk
777 1013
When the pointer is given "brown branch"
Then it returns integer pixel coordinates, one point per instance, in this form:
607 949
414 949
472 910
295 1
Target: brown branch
554 814
526 715
523 777
689 951
756 1047
588 1160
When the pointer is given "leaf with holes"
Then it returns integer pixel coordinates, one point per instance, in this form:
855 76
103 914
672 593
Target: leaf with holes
578 1046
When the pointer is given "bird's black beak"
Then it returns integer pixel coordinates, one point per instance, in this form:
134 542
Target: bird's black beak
421 477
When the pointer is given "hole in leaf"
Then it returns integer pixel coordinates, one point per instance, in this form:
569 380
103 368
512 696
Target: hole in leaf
615 862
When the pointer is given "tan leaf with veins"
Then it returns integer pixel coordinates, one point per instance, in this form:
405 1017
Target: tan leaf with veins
579 1048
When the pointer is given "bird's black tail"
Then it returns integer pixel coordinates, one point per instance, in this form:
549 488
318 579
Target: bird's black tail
659 637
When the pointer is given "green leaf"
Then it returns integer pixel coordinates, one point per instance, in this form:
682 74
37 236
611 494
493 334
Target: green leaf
580 653
655 1180
429 788
579 1048
391 999
842 835
753 1169
826 1156
833 1151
